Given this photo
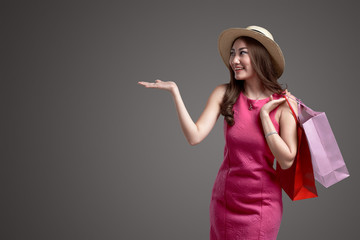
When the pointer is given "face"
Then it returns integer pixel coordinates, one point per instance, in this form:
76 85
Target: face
240 61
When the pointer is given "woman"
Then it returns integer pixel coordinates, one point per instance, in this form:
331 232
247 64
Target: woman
259 126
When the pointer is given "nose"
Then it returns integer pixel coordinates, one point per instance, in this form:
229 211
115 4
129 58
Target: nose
234 60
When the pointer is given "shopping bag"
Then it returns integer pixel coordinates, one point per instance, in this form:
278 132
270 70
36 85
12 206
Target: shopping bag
298 181
328 163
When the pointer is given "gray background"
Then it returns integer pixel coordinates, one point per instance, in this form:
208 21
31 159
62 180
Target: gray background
86 153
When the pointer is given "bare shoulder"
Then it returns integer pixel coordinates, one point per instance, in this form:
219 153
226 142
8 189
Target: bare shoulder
221 88
219 91
293 103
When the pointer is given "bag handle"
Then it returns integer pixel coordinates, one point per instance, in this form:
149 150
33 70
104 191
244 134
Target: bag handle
301 104
291 108
295 99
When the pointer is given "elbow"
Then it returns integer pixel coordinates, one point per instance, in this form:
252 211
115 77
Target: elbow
194 138
287 163
193 142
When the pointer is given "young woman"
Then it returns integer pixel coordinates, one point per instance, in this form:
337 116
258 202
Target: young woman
259 126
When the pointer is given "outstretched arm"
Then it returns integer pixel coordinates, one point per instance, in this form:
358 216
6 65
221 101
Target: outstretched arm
194 132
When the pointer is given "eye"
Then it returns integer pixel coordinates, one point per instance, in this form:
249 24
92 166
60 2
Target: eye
242 52
232 53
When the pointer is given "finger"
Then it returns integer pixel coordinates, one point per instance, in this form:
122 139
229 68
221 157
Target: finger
280 100
277 102
143 83
147 84
152 85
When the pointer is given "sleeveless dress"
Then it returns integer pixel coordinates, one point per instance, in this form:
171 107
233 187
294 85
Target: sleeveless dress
246 202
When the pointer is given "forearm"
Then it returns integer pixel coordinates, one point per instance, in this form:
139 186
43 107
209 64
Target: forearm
277 145
188 126
194 132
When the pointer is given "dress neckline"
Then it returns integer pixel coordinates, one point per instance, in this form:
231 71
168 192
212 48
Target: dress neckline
255 100
253 103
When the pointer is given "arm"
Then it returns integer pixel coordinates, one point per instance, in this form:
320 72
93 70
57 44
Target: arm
194 132
282 145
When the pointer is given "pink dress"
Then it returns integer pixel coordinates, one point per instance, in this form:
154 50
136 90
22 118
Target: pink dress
246 201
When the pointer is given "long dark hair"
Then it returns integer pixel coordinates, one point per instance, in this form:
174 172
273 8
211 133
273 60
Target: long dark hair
262 63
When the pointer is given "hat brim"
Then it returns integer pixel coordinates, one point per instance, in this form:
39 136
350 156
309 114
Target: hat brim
228 36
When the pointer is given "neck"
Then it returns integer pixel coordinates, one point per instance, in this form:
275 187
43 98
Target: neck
254 89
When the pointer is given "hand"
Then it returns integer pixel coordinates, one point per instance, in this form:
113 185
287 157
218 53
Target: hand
270 106
169 86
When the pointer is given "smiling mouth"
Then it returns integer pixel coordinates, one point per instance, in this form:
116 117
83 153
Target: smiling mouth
238 68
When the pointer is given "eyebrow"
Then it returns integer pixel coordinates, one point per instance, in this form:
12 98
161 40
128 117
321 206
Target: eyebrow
232 49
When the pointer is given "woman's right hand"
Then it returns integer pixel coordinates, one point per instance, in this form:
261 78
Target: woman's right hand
194 132
169 85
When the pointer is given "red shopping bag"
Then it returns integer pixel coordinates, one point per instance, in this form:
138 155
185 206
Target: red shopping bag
298 181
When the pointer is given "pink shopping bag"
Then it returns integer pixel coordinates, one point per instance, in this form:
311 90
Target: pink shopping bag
328 163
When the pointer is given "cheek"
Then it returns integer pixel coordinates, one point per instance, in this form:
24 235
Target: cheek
230 60
248 64
247 60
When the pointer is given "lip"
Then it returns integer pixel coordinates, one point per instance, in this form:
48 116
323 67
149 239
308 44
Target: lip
238 69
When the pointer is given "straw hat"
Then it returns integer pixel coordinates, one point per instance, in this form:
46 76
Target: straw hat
227 38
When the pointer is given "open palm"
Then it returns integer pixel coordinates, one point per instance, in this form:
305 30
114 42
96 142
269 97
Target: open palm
169 85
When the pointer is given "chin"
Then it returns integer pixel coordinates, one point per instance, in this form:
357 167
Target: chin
238 78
